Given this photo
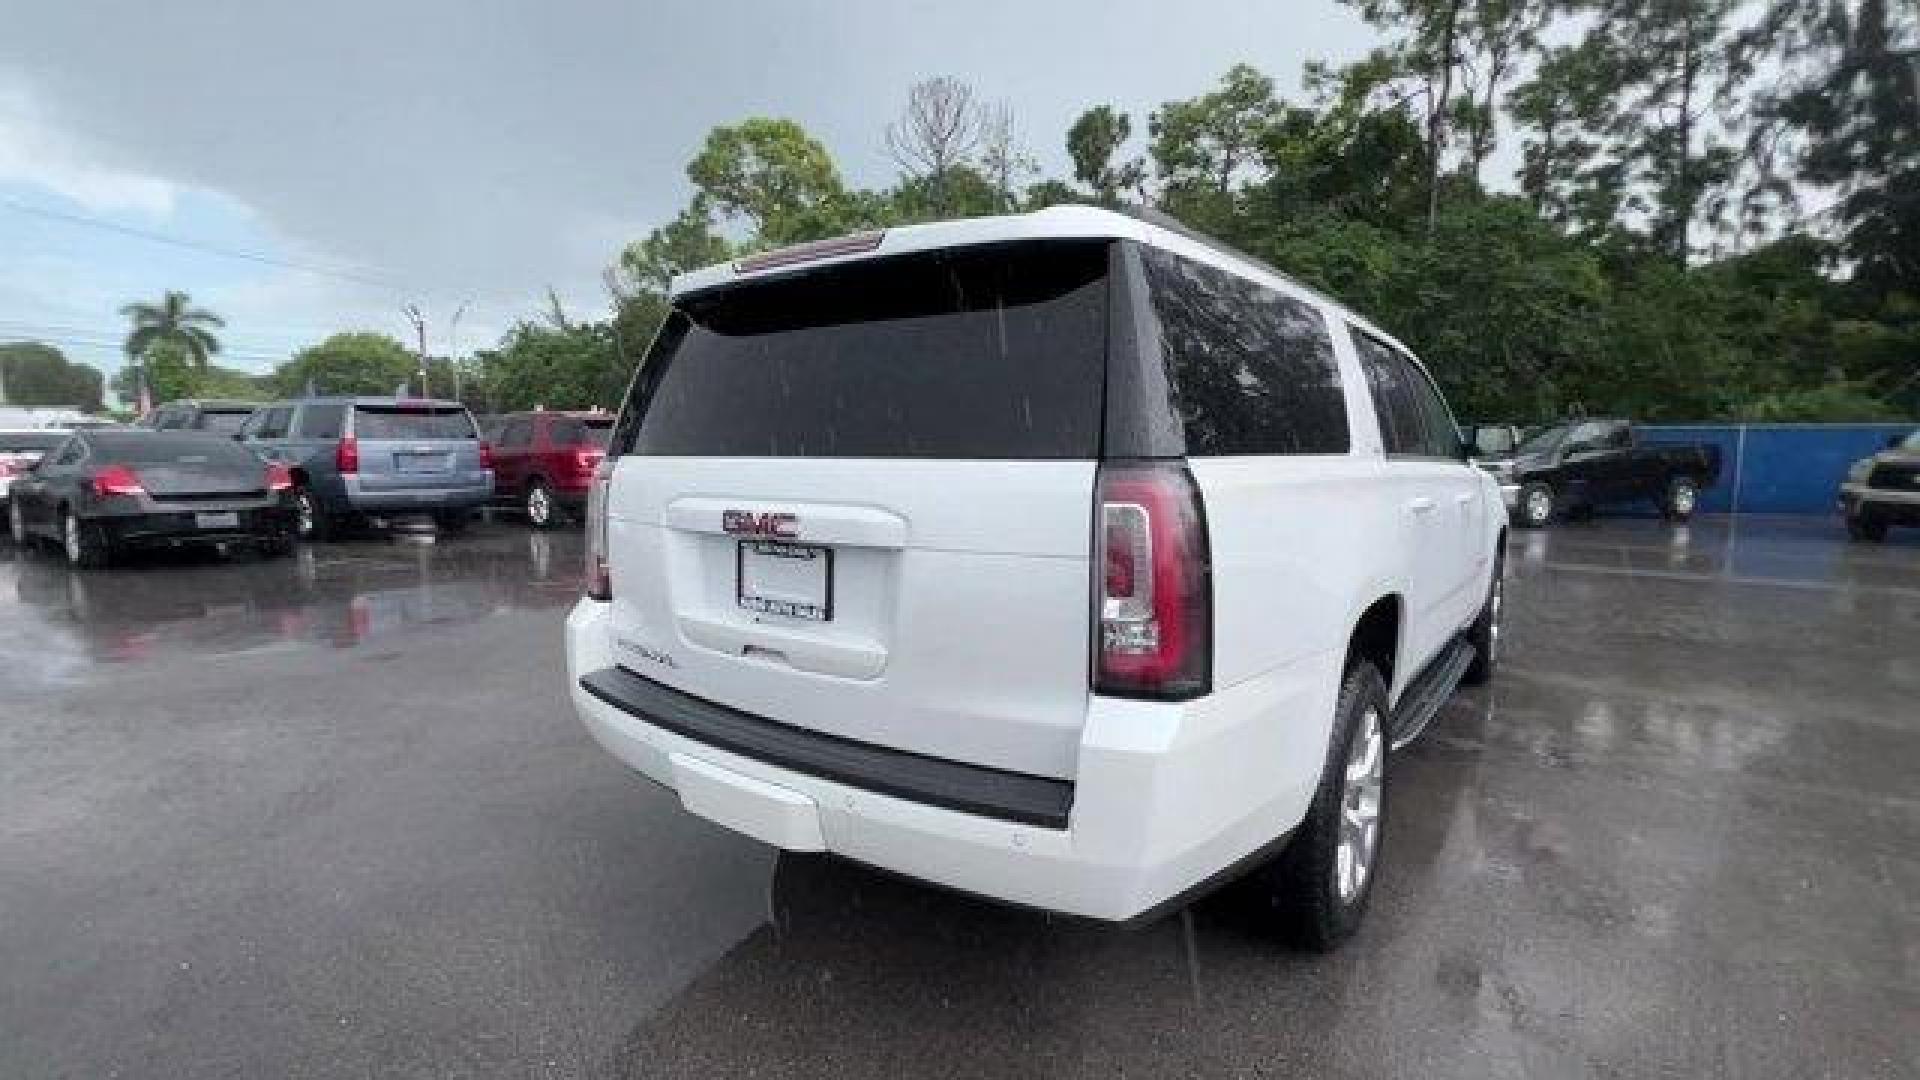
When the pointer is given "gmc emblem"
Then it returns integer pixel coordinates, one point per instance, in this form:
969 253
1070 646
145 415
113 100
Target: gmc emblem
747 523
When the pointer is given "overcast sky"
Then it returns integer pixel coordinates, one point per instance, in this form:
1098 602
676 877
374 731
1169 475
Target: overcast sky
449 150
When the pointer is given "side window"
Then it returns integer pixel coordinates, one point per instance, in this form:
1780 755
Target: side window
1253 369
273 422
1592 435
71 454
1443 436
321 419
1403 428
166 419
516 433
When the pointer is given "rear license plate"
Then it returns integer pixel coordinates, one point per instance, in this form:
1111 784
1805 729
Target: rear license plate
421 462
795 580
217 521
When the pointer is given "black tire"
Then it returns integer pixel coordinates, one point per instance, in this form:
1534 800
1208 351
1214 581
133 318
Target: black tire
1863 527
17 527
1484 634
1304 880
277 546
543 511
82 544
1683 495
452 521
312 523
1535 507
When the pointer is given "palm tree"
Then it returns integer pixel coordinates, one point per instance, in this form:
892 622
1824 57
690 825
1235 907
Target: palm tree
173 319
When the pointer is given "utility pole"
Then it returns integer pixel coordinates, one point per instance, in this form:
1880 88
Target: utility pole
453 345
419 322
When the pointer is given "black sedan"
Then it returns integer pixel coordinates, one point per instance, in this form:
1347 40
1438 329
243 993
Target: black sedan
104 491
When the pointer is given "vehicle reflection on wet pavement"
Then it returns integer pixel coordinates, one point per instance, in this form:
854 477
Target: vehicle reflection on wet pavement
333 816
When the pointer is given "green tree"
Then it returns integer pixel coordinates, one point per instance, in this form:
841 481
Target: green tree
688 242
348 363
936 137
174 319
1202 147
1093 140
38 376
572 367
774 175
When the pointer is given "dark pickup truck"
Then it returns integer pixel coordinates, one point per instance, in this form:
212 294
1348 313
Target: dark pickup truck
1580 465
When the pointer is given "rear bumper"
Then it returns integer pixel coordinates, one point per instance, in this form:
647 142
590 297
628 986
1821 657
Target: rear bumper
1163 799
176 529
468 493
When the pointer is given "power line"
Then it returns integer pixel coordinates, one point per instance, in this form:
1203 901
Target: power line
191 245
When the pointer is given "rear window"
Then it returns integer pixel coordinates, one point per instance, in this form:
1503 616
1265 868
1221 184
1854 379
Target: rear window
225 422
1253 369
377 422
591 431
985 352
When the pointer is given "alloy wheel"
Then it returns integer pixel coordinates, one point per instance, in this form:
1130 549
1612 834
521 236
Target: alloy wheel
1360 808
70 539
1539 506
1683 498
303 513
539 505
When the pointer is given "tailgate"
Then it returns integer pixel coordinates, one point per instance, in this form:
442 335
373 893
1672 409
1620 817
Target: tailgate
859 500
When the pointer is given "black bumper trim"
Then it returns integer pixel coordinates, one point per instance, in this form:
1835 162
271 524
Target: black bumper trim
970 789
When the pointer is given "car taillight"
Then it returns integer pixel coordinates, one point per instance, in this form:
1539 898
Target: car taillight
346 455
599 577
486 456
279 477
6 469
1154 620
116 480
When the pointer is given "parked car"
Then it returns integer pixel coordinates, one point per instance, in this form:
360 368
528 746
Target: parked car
359 457
544 461
20 450
1491 442
101 492
1883 490
220 417
1064 558
1581 465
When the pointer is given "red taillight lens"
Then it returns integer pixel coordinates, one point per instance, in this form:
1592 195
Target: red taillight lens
599 575
116 480
6 469
346 455
279 477
1155 617
486 456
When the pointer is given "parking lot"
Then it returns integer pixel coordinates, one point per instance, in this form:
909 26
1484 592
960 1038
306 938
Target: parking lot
332 816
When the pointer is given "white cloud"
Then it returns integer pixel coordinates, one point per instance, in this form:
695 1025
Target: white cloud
37 152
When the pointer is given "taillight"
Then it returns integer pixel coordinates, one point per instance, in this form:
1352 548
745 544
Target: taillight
1155 617
599 578
486 456
279 477
346 455
113 480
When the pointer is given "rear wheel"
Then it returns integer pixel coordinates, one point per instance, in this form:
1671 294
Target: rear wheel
311 521
1325 876
1484 634
1682 495
83 545
542 511
1863 526
1536 506
17 524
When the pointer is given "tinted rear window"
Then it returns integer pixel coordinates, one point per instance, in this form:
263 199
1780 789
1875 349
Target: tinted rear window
377 422
1253 369
225 422
984 352
572 431
162 448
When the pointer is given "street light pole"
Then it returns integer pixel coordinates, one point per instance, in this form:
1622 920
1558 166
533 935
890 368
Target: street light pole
453 345
420 331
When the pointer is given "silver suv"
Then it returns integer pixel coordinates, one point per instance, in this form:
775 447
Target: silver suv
358 457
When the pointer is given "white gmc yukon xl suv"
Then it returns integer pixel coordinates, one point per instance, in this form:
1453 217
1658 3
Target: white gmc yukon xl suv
1064 558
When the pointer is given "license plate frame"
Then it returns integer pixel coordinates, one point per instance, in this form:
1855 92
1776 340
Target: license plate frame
418 463
784 569
217 519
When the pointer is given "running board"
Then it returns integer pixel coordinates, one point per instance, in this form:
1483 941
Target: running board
1429 690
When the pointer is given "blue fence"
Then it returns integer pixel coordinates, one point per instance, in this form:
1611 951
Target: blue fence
1779 468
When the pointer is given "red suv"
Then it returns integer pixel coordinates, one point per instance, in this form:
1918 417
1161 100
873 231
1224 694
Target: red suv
544 461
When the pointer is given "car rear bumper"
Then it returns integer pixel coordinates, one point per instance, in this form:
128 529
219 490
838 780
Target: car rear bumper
1164 798
176 529
360 496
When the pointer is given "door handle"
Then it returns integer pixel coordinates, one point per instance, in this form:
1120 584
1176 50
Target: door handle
1421 505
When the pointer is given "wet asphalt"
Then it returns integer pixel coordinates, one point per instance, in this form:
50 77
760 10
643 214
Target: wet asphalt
331 816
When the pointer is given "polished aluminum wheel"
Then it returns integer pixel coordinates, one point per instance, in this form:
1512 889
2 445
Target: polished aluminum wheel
1360 807
304 513
1683 499
70 539
539 505
1539 506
